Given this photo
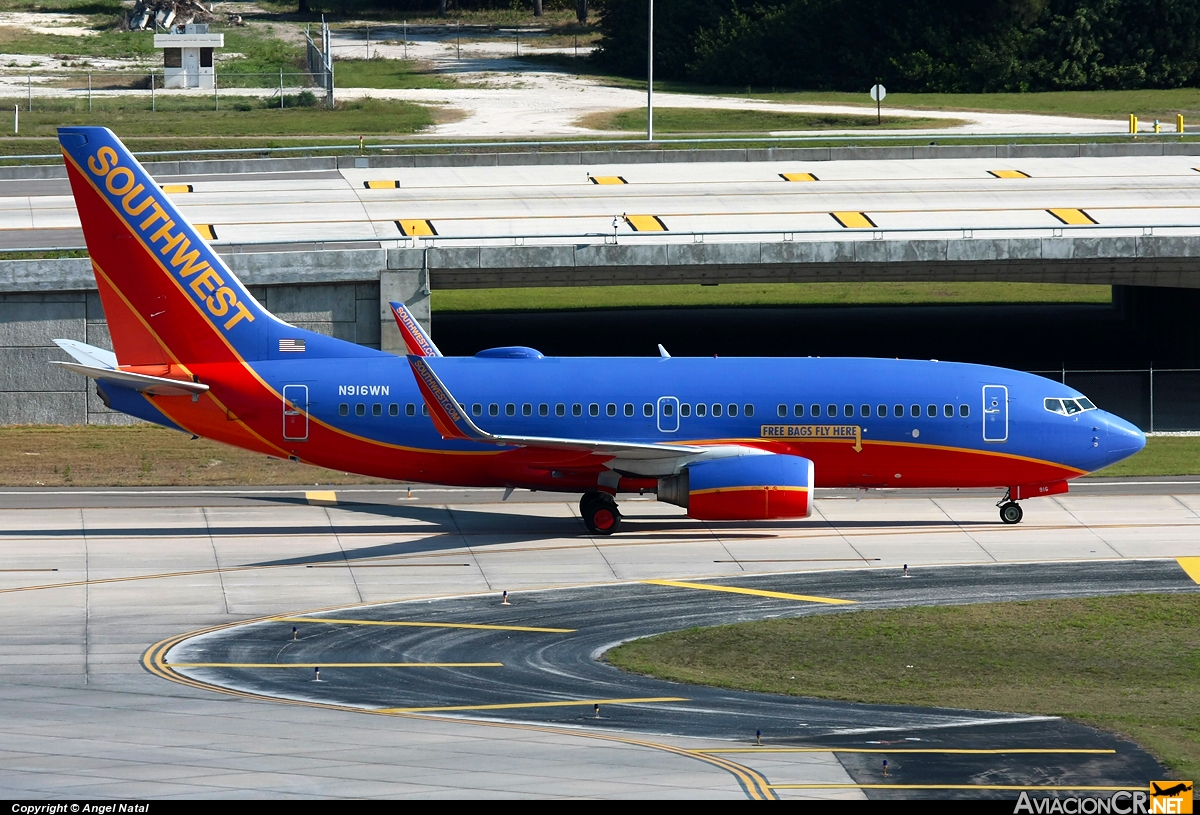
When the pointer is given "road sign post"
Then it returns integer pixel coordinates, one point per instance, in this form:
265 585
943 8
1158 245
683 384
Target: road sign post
877 93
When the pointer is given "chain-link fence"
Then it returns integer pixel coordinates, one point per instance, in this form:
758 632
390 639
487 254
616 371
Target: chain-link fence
320 61
1155 399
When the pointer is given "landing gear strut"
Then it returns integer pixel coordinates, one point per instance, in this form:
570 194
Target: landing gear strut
1010 511
600 514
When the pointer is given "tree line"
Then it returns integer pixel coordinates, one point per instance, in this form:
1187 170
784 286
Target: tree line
911 45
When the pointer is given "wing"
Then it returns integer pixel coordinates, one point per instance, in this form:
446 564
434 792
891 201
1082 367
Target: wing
634 457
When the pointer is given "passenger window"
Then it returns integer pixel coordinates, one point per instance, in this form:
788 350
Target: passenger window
814 411
410 409
628 409
848 410
948 411
964 411
915 411
898 411
360 409
343 409
576 409
476 409
747 410
668 409
393 409
647 409
526 409
931 411
593 409
783 410
611 409
510 409
881 411
424 409
798 410
732 410
377 409
685 409
560 409
493 409
864 411
831 411
701 409
543 409
716 409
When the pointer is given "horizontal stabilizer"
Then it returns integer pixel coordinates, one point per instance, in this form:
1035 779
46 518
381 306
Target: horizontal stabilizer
88 354
154 385
415 339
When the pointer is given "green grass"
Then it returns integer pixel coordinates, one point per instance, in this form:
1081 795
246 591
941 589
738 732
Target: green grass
763 294
182 121
1163 455
1127 664
110 44
706 120
388 73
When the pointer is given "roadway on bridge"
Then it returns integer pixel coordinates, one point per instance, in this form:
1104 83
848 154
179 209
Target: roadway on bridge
655 203
90 580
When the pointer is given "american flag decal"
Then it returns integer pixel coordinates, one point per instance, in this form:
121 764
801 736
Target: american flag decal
291 345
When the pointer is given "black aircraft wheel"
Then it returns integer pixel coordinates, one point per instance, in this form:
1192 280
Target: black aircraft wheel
589 498
1011 513
601 516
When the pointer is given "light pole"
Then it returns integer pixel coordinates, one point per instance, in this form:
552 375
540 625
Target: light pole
650 78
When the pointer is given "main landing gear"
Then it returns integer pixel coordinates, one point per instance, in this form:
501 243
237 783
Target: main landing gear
600 514
1010 511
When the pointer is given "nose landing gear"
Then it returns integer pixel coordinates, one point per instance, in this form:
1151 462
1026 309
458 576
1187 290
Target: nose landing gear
600 513
1010 511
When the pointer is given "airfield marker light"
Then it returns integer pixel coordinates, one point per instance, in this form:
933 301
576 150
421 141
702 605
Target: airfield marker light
885 768
906 570
294 632
596 710
758 737
316 674
504 599
409 496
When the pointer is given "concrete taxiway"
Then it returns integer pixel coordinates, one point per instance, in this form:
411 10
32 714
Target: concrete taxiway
91 581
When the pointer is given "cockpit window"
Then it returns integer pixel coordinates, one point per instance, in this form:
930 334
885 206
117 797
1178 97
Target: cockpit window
1069 407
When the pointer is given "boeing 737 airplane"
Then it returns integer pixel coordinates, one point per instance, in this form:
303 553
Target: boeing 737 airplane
728 438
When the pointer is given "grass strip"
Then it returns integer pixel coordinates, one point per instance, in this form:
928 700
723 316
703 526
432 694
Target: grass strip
714 120
1163 455
763 294
1127 664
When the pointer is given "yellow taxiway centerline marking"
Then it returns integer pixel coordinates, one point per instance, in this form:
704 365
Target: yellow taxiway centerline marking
1191 565
335 665
406 624
757 592
516 705
944 787
1026 750
321 497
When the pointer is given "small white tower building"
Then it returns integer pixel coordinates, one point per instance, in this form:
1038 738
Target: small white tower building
188 56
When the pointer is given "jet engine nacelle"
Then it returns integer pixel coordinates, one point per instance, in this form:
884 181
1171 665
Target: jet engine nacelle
742 488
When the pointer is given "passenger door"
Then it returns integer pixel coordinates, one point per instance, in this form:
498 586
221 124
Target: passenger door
995 413
668 414
295 412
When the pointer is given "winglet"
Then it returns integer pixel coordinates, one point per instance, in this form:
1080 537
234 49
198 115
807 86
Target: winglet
448 417
415 339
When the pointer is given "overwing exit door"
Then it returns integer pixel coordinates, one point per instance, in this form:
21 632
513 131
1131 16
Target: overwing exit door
295 412
995 413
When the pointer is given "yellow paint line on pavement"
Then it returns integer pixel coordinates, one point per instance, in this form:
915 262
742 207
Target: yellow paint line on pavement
853 220
381 185
207 231
798 177
1022 750
321 497
645 223
410 227
1008 174
1072 217
1031 788
176 188
607 179
779 595
407 624
518 705
1191 565
335 665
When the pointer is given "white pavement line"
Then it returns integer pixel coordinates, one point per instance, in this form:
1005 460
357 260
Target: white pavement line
857 731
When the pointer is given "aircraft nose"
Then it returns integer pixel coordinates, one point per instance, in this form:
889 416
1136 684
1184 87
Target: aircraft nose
1123 439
